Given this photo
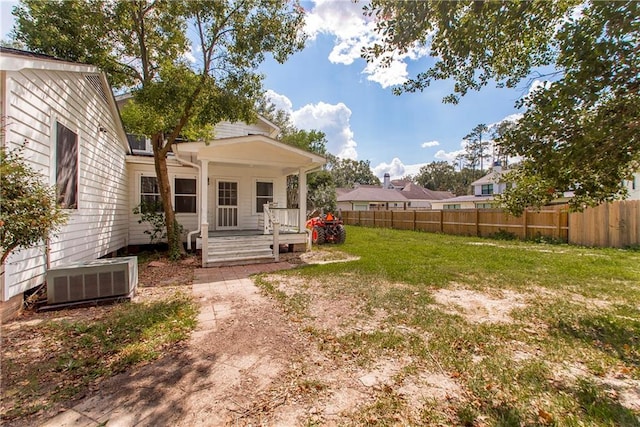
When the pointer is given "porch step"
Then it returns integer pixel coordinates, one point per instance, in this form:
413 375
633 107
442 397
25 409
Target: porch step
237 250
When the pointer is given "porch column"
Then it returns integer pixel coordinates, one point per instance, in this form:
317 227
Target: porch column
302 198
204 211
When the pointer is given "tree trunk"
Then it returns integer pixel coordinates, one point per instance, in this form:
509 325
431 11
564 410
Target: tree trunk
174 238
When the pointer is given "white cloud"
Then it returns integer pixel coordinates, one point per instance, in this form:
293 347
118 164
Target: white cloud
396 169
332 119
189 56
538 84
429 144
448 156
280 101
353 31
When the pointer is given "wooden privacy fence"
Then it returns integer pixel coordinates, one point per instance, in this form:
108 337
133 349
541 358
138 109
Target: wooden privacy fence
615 224
551 222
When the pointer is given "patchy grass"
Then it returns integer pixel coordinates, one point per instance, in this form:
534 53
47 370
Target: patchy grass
529 333
75 355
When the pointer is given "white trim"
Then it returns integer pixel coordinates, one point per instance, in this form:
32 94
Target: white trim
172 186
216 206
254 193
174 193
53 164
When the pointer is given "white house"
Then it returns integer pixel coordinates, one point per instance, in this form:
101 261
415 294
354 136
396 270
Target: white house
633 186
484 191
220 189
228 193
66 117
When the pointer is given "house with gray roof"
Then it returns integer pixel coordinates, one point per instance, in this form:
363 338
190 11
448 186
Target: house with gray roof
369 197
484 191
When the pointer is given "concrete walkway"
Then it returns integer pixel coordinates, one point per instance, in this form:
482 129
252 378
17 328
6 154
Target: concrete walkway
183 392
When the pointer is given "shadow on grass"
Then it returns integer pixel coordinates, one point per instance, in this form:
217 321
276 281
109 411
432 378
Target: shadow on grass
617 336
600 407
83 354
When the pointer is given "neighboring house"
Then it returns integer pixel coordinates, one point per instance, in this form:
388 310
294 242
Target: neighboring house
633 186
368 198
393 195
423 198
229 194
65 115
483 189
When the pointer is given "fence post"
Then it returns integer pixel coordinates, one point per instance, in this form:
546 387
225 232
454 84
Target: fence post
477 222
524 222
442 221
413 223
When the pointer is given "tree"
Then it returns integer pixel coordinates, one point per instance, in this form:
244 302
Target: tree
142 45
316 142
442 176
578 132
321 194
29 213
347 173
476 147
438 176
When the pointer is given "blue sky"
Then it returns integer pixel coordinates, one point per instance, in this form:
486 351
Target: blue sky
328 87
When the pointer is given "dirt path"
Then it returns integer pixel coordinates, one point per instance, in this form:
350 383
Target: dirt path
246 363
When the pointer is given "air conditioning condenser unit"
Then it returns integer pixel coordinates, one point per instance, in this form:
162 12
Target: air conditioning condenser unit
92 280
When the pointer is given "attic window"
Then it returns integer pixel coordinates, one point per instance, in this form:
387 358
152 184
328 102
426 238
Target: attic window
96 82
137 142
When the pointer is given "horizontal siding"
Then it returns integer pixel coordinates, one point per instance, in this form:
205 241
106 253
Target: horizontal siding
37 98
229 130
246 178
136 231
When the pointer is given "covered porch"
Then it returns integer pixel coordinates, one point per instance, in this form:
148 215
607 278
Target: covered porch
242 197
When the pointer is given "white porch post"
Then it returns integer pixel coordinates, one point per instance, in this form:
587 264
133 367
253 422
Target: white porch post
204 210
302 198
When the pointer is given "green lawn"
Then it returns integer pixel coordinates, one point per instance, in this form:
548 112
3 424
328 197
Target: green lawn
523 333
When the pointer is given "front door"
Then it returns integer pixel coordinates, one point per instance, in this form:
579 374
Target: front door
227 205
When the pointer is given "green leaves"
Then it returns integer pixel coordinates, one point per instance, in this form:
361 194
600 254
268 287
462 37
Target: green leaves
579 133
29 213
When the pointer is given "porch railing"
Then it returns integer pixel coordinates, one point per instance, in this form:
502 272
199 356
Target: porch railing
289 219
273 223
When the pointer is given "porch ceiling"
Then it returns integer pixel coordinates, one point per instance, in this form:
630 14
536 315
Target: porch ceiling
253 150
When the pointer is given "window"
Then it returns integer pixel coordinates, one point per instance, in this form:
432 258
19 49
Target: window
484 206
66 166
150 200
451 206
487 189
227 193
185 198
264 194
137 142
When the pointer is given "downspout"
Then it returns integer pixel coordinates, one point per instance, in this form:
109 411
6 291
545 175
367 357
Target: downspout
193 165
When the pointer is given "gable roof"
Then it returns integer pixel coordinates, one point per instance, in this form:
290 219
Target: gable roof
400 183
16 60
252 150
493 177
368 194
415 192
